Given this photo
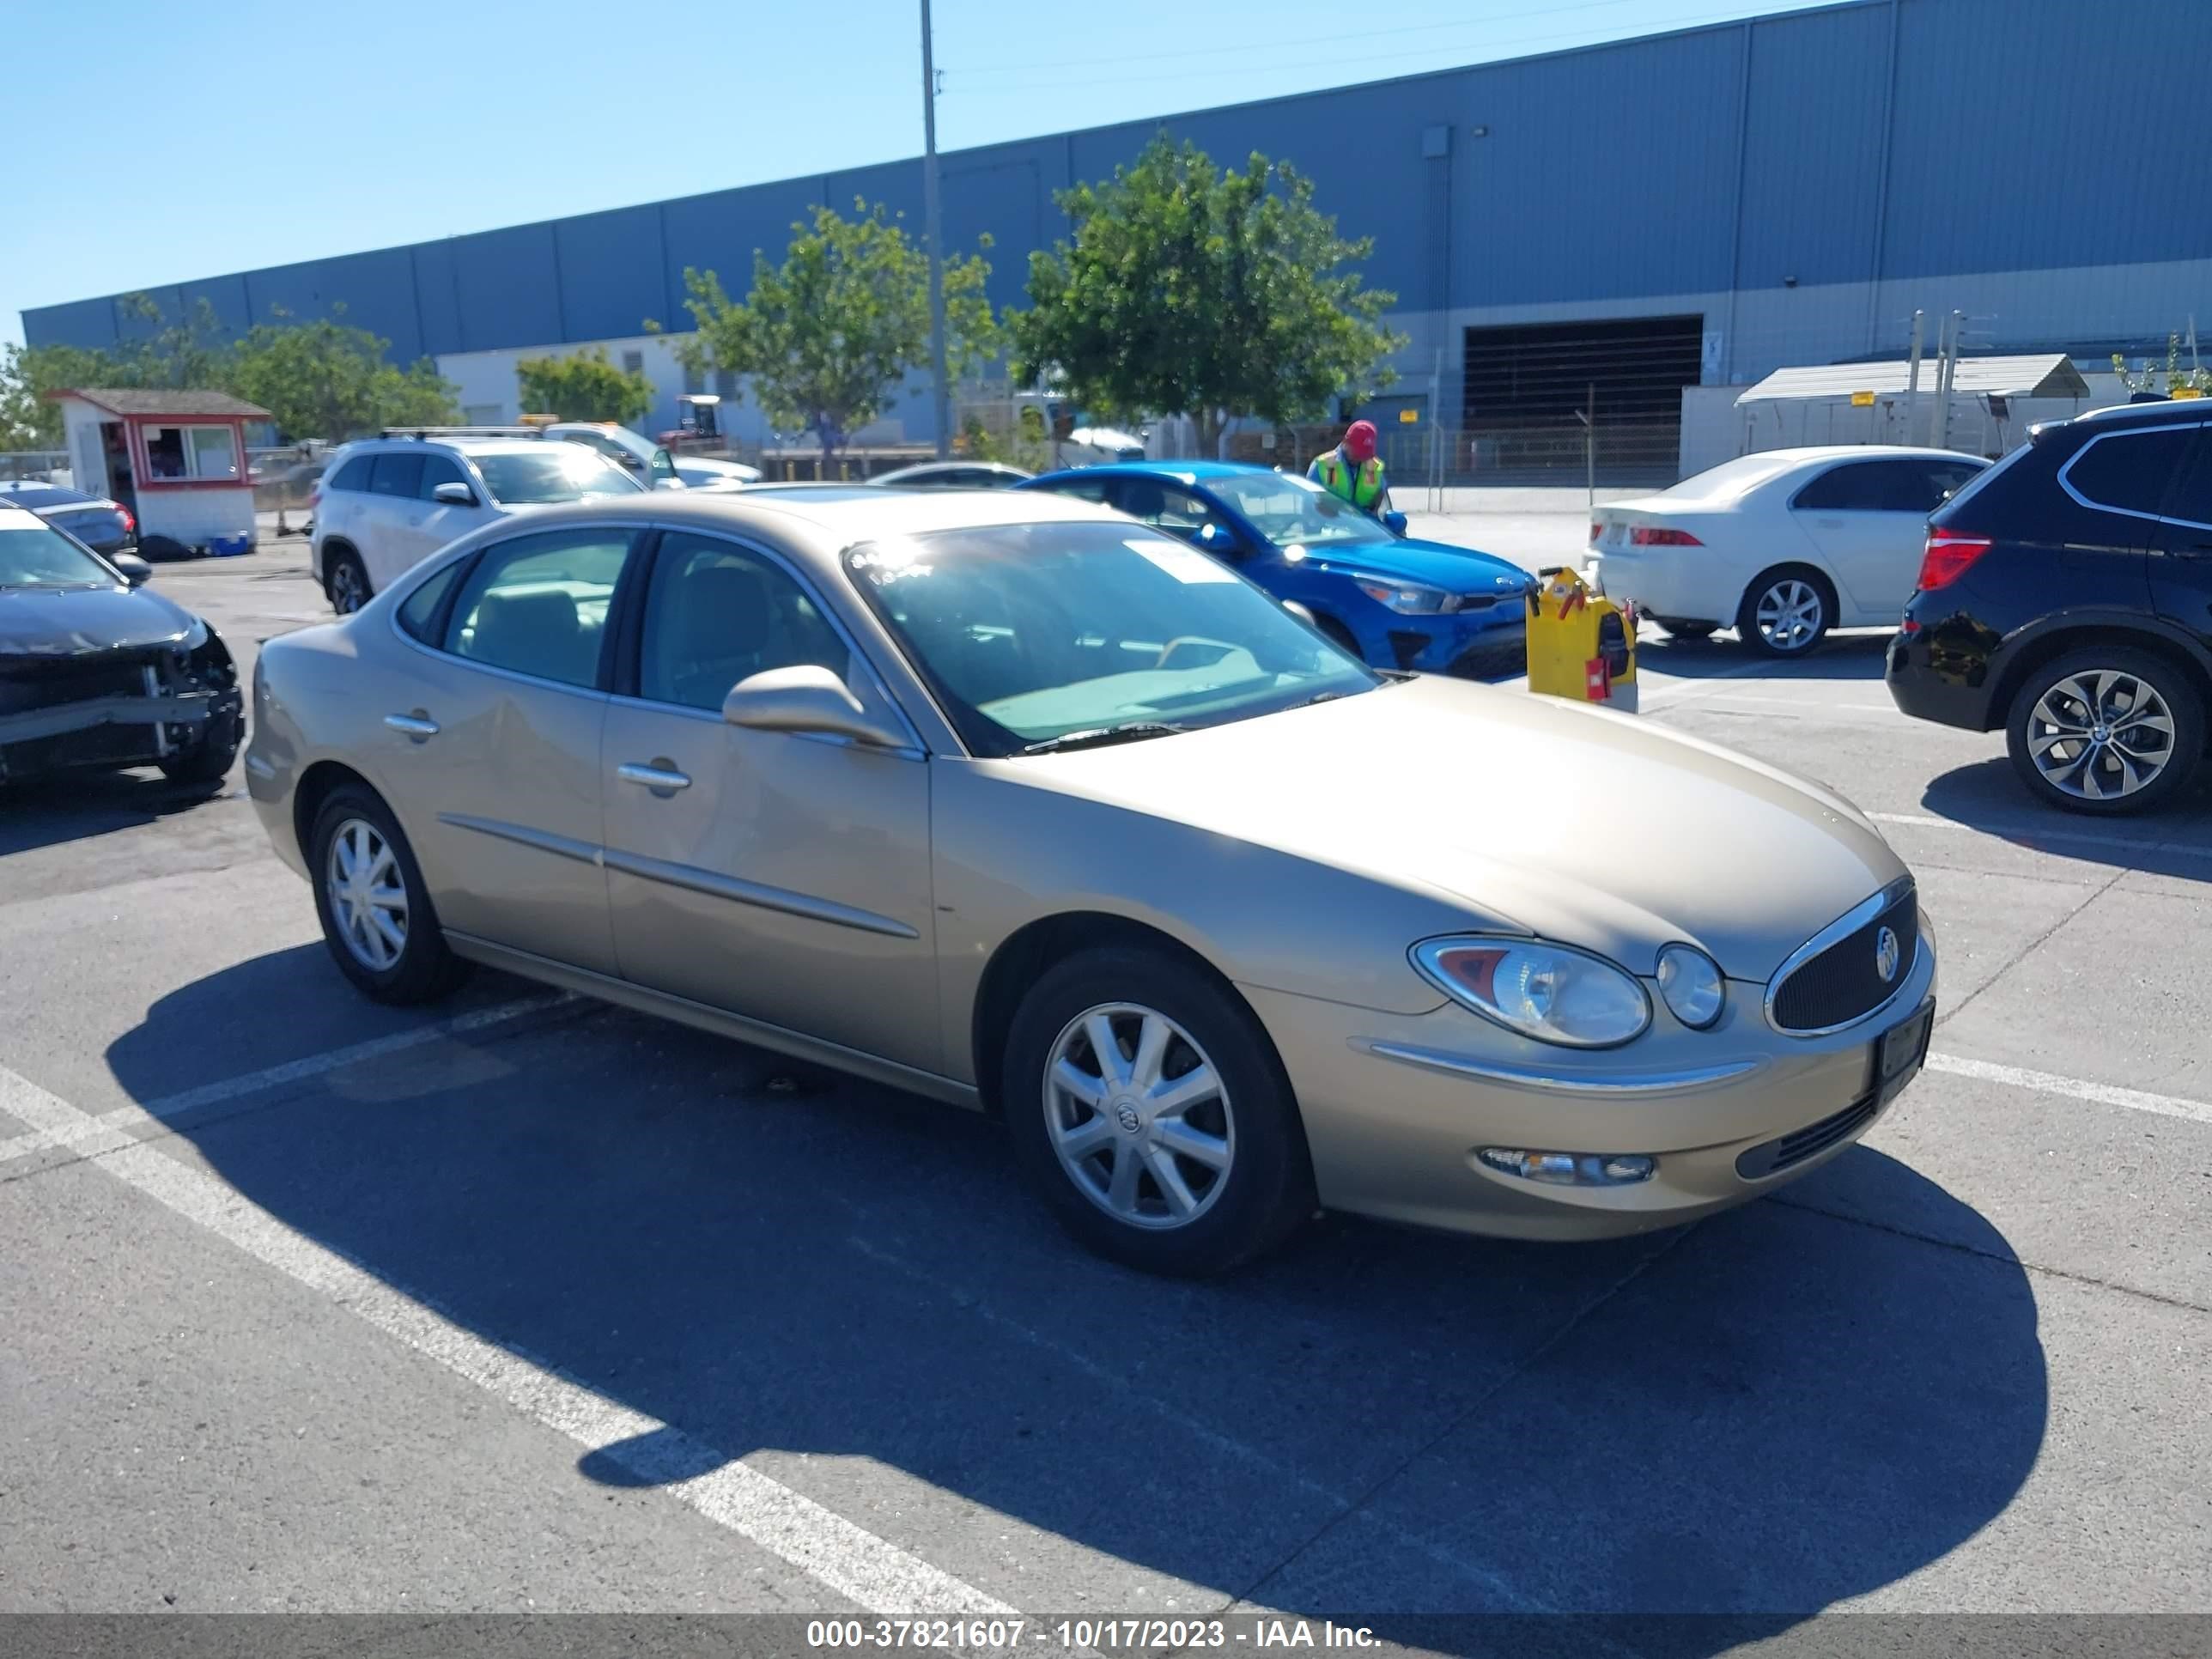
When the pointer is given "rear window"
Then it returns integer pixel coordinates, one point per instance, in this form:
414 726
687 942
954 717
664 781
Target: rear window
2129 472
354 475
552 472
1729 479
35 496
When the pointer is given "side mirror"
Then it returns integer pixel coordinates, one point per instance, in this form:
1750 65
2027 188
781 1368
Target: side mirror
454 495
1220 541
1301 613
136 570
1395 523
807 698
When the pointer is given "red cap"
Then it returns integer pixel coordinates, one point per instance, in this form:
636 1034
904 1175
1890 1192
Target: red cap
1359 440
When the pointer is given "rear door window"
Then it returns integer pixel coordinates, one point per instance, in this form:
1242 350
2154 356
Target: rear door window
538 605
2191 503
396 473
354 475
2128 472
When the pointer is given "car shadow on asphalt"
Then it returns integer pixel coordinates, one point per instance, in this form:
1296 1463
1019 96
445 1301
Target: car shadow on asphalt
1987 795
1782 1407
47 811
1839 657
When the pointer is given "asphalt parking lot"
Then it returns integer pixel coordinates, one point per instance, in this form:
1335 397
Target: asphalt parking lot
525 1303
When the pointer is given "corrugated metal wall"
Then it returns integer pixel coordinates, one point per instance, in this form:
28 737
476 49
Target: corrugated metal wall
1887 141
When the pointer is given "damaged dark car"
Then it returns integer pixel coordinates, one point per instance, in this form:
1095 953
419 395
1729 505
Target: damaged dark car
97 672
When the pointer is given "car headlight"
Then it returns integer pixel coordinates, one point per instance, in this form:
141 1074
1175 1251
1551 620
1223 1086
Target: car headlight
1407 599
1690 984
1548 991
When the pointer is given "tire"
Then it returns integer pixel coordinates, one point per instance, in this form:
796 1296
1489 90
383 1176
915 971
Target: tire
421 968
1234 1210
1681 628
1801 608
2135 694
208 761
345 581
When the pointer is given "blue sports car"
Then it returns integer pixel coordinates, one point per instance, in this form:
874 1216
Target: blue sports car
1395 602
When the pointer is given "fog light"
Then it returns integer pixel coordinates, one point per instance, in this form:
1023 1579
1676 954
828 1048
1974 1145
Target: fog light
1571 1169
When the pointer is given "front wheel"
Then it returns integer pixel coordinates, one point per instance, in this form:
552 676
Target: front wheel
345 580
2107 730
1152 1115
376 913
1786 612
209 760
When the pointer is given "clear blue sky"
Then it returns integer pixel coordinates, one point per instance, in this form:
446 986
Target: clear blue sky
156 144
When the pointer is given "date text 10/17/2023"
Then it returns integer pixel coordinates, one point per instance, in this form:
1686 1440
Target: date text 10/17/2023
1103 1635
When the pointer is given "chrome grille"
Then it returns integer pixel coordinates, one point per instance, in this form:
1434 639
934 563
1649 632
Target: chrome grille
1834 978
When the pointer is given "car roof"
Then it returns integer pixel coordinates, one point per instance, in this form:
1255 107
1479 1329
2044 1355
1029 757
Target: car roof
459 445
19 518
1182 471
2170 411
1807 454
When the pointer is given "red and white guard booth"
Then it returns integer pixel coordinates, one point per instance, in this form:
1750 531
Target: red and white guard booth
176 460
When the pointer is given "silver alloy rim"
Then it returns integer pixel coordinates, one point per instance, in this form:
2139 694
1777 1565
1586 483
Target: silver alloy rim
1789 614
2100 735
345 588
1138 1117
367 898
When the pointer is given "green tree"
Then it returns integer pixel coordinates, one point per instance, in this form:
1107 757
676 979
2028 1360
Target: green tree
2173 378
583 387
190 352
826 335
325 380
1210 293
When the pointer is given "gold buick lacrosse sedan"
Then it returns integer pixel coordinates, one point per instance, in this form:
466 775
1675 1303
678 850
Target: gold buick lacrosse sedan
1008 801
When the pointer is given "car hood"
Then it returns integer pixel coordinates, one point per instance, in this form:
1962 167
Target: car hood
1580 825
1454 569
41 623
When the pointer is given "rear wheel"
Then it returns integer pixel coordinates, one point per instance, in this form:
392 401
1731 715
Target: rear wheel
1152 1114
345 580
1786 611
375 910
2107 730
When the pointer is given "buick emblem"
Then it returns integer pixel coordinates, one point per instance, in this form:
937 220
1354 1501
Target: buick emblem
1886 952
1127 1116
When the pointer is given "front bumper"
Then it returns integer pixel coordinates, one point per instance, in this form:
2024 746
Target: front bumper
1483 646
1396 1107
159 720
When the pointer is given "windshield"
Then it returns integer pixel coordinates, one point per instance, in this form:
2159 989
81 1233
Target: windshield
1293 512
1027 633
552 472
35 556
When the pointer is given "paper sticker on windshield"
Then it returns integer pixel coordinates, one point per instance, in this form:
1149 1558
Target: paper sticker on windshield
1183 563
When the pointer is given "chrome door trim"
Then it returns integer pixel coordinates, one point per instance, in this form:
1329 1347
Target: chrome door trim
522 835
1558 1082
692 879
1842 927
630 995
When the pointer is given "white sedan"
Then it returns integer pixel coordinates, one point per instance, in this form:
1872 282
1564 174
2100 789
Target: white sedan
1781 546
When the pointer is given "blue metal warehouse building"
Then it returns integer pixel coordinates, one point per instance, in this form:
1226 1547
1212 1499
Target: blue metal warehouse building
1695 207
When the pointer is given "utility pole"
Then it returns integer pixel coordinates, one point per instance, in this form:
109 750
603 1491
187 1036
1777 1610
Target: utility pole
1947 377
931 236
1912 381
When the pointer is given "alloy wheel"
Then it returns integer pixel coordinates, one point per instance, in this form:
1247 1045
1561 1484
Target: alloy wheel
368 895
1138 1117
1788 615
346 587
2100 735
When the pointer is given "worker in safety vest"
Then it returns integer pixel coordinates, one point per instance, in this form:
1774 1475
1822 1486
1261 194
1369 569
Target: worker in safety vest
1351 471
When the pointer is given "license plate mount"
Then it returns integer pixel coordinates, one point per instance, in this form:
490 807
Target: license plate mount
1899 1053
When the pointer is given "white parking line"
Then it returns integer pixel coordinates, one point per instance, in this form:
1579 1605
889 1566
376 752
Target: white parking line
2050 1083
848 1559
2031 833
102 1133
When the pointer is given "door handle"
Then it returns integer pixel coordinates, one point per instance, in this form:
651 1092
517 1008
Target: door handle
417 727
657 776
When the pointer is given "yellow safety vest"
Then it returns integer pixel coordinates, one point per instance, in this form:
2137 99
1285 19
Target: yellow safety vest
1362 488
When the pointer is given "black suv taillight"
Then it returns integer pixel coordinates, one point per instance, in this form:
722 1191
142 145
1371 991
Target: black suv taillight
1949 555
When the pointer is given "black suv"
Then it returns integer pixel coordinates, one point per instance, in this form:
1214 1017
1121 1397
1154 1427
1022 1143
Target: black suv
2066 594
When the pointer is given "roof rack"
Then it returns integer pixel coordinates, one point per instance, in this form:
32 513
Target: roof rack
428 431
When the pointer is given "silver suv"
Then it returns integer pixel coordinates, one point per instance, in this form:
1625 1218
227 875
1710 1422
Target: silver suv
387 504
